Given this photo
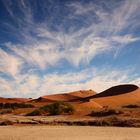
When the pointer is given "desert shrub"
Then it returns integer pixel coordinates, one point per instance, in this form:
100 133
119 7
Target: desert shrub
15 105
68 108
56 108
131 106
105 112
6 122
6 111
36 112
115 121
53 109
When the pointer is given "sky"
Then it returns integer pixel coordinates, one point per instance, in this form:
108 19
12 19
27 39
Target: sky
56 46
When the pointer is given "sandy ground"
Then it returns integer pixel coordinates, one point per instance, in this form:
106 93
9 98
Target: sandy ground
68 133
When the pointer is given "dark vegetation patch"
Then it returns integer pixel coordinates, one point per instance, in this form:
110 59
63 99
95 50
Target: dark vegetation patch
105 112
15 105
111 121
130 106
6 111
56 108
6 122
36 112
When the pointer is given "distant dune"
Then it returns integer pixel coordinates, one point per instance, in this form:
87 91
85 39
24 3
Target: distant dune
67 97
86 100
13 100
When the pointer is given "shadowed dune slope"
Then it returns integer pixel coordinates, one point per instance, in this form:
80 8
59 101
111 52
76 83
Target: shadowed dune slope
118 95
116 90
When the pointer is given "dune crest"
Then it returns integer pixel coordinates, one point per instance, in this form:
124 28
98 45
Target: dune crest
118 96
117 90
14 100
72 96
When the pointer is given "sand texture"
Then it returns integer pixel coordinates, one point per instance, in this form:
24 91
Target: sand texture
68 133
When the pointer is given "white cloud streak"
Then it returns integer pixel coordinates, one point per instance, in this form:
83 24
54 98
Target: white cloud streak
9 63
44 47
84 43
32 85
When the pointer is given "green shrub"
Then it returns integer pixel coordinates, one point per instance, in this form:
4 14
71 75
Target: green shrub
56 108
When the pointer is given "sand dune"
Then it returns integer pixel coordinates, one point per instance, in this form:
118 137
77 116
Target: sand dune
90 104
13 100
72 96
22 99
118 96
60 97
83 93
88 99
117 90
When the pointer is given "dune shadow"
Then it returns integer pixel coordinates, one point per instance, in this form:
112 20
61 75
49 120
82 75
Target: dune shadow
116 90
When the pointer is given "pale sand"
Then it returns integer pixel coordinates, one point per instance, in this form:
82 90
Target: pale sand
68 133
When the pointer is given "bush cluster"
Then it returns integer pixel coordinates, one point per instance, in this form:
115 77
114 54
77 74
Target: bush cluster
56 108
6 111
105 112
131 106
6 122
15 105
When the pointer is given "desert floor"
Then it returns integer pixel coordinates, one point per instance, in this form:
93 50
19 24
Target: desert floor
68 133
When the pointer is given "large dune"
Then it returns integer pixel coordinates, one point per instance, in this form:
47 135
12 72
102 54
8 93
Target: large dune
88 99
67 97
83 93
114 96
118 96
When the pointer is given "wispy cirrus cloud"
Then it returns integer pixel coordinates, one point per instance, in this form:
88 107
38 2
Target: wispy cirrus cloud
32 85
9 63
102 34
76 33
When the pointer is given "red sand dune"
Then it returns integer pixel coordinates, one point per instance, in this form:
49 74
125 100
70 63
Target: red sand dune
83 93
90 104
72 96
118 96
59 97
13 100
22 99
114 96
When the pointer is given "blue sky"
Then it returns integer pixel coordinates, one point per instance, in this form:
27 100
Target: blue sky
53 46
